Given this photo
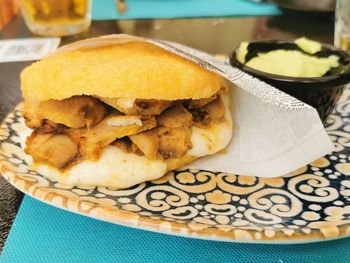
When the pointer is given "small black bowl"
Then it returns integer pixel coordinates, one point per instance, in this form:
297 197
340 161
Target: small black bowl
321 93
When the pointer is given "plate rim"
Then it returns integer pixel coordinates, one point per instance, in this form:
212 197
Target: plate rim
126 218
202 235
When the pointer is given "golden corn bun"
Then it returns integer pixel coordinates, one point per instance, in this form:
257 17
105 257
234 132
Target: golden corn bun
129 70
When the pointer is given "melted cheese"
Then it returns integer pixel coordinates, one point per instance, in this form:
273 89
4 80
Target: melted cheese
115 168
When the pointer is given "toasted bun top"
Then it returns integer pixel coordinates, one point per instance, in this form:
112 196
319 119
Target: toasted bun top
129 70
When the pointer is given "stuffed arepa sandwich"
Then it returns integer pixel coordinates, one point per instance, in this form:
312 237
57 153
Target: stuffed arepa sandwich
120 113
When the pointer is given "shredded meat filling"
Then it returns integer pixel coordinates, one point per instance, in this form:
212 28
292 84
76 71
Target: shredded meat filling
75 112
213 112
50 127
57 150
147 142
91 141
195 104
173 142
80 127
138 106
175 117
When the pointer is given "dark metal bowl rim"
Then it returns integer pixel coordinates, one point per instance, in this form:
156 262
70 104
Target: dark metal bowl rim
339 79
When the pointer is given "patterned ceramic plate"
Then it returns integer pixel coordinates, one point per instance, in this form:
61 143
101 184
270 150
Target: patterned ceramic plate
310 204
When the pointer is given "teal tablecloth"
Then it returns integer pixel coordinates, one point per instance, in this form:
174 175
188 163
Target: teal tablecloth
142 9
42 233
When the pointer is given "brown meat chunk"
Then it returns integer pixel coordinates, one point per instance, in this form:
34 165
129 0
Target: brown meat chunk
138 106
123 144
30 115
216 110
173 142
175 117
50 127
152 107
74 112
123 105
147 142
170 140
91 141
200 118
127 145
195 104
213 112
57 150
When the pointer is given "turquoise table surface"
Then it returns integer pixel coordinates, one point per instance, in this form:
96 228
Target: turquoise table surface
42 233
141 9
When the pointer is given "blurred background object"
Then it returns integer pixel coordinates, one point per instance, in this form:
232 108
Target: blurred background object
121 6
342 25
151 9
8 8
307 5
56 18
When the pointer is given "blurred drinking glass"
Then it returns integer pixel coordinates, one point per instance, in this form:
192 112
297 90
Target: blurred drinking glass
342 25
56 17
